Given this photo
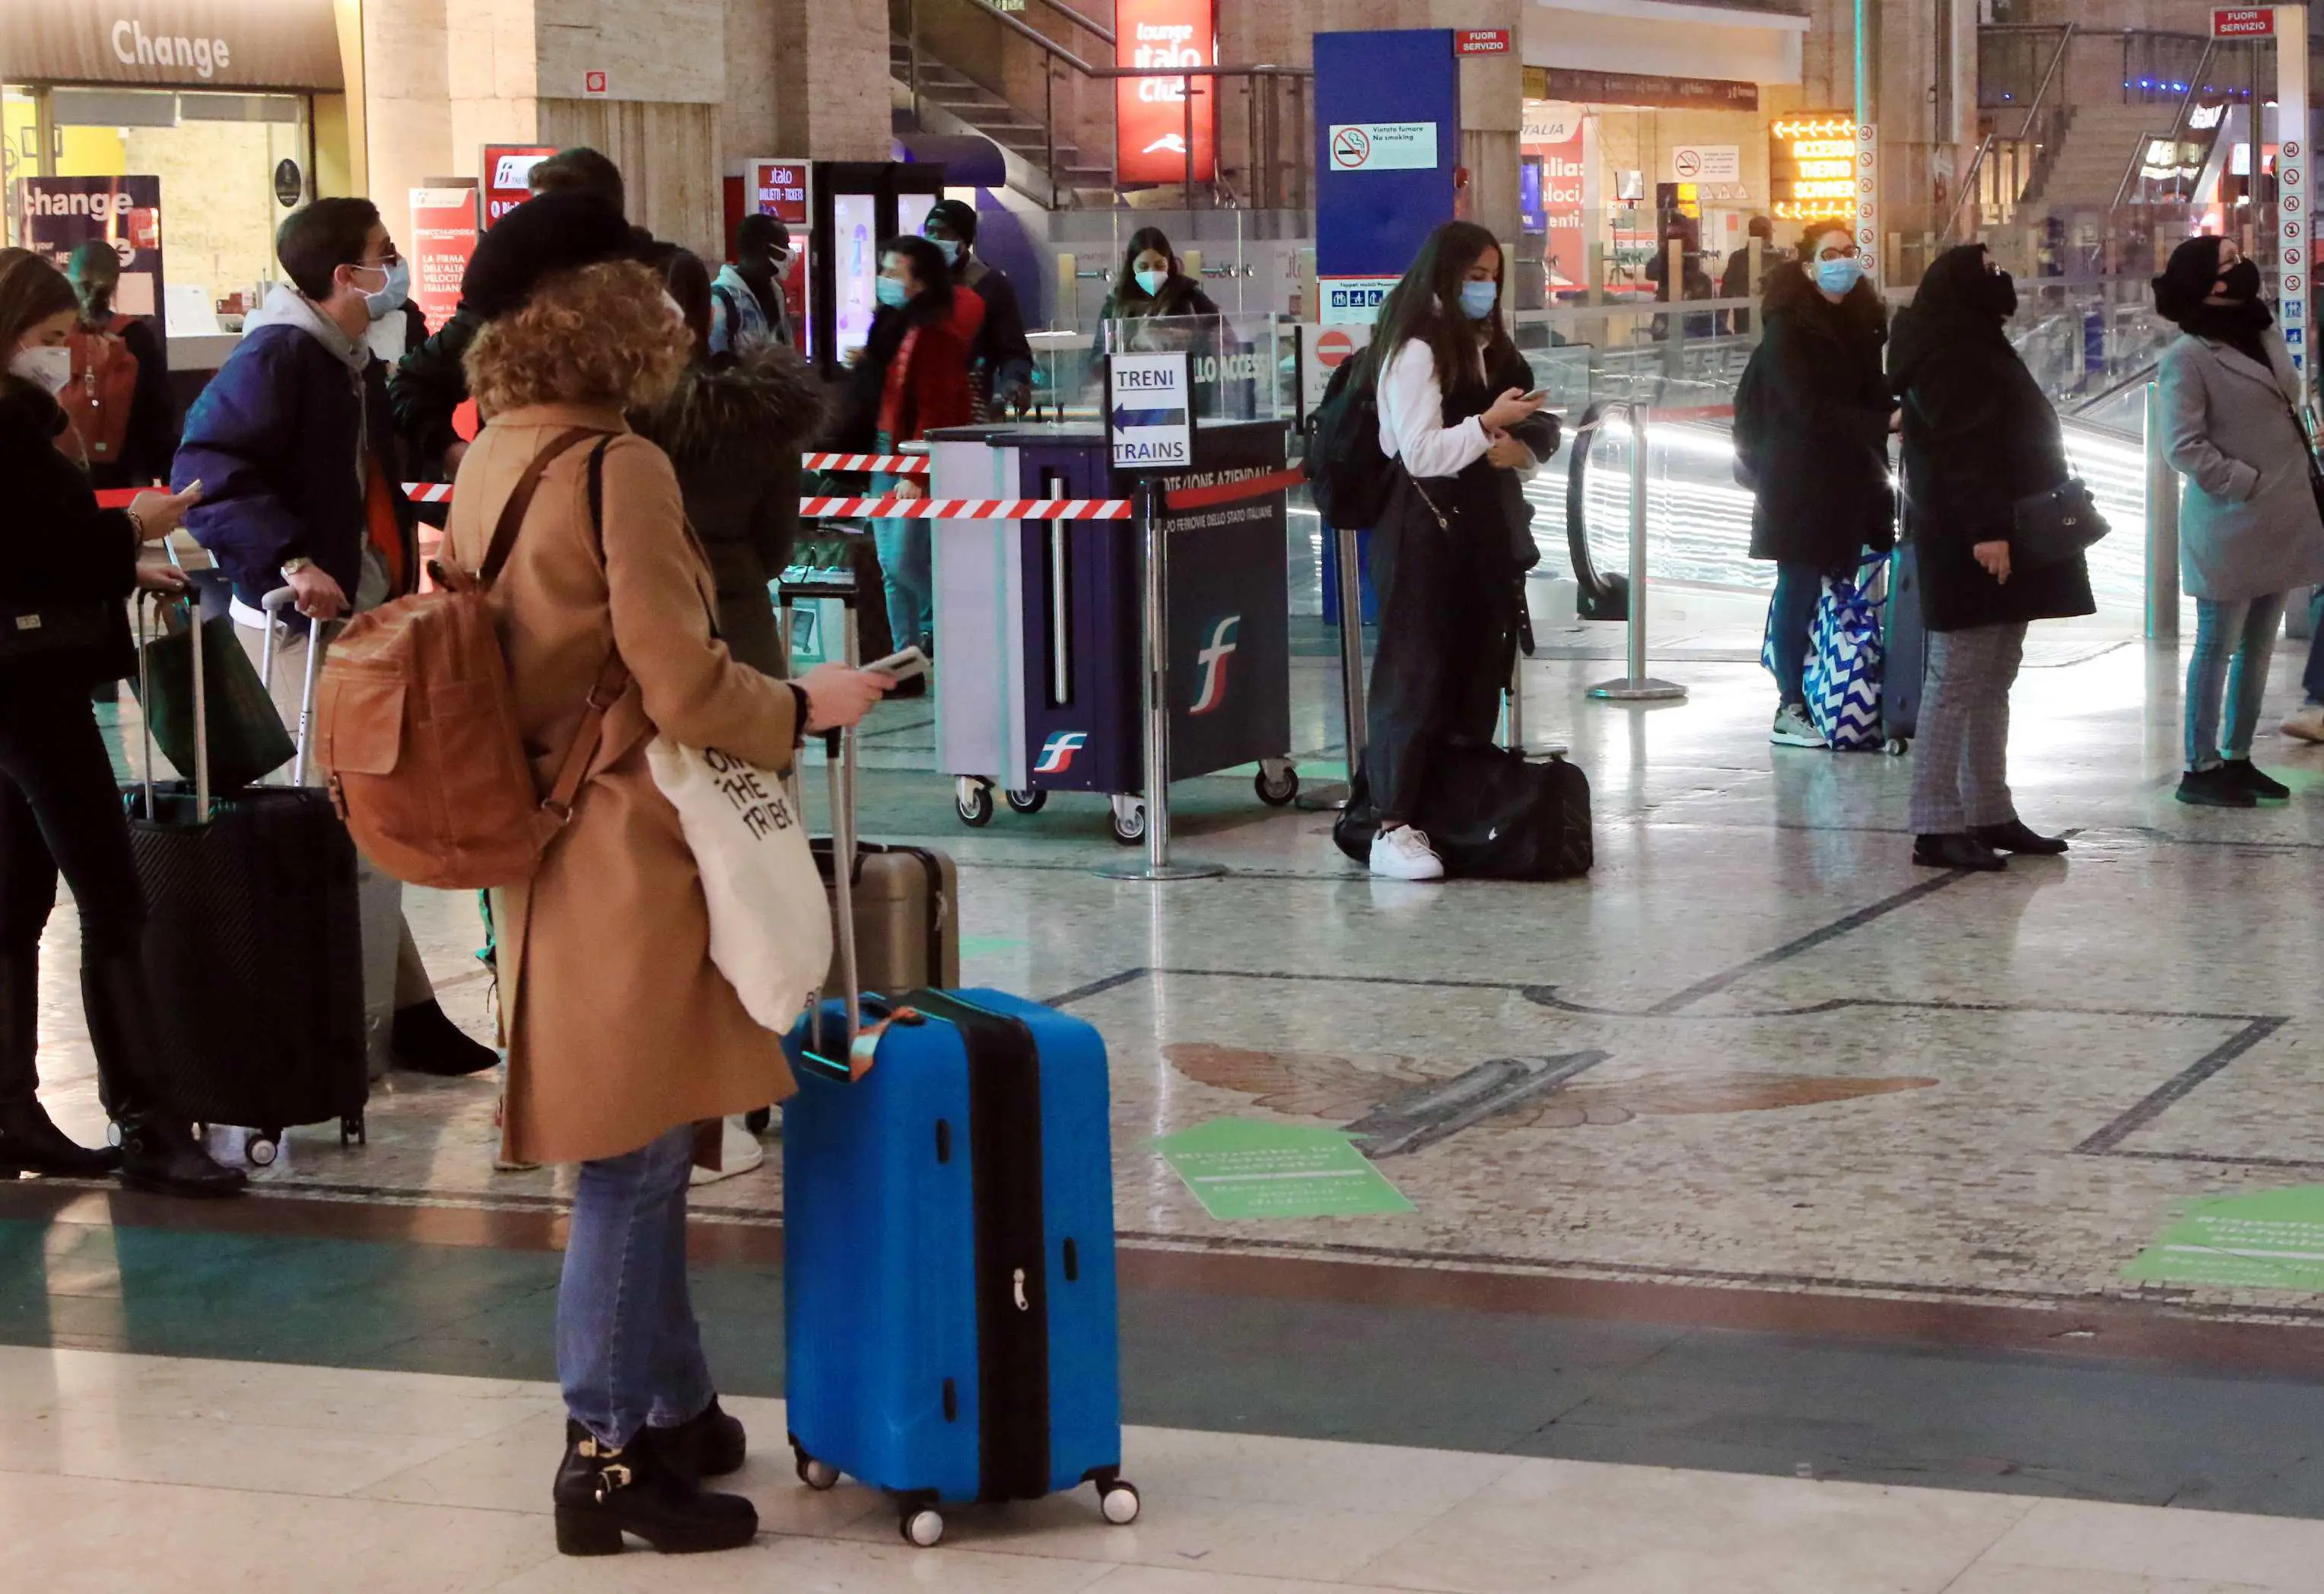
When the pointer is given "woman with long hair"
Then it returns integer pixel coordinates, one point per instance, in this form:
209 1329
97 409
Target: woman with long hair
72 566
2248 527
1460 422
623 1038
1153 282
1979 437
911 379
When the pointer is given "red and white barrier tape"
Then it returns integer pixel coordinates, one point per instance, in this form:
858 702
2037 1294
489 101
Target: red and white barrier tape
894 464
892 508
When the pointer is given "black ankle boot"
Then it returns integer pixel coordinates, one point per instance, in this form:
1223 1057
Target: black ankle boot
2017 837
427 1042
158 1149
709 1444
601 1493
30 1143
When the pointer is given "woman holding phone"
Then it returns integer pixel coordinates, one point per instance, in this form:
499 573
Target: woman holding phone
1461 420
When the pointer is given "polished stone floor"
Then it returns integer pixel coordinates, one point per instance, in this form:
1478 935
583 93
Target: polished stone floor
237 1478
1828 1193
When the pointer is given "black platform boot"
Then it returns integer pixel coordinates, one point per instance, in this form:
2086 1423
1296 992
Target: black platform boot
427 1041
29 1142
158 1149
602 1493
709 1445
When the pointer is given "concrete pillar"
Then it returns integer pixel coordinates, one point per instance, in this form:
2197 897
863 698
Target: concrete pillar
1928 107
829 76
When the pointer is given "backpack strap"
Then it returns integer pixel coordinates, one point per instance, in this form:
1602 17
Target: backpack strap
613 678
519 499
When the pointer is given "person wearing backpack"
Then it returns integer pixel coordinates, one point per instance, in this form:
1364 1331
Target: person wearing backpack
623 1033
746 298
122 422
1813 416
1462 426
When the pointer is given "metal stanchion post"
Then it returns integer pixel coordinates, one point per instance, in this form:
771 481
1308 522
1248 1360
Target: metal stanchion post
2162 526
1158 865
1347 575
1637 687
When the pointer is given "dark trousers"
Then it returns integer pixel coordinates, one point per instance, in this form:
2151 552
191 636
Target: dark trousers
60 811
1447 640
2311 679
1791 623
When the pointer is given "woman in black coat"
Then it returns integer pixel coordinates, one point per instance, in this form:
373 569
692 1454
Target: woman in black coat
66 568
1812 422
1978 437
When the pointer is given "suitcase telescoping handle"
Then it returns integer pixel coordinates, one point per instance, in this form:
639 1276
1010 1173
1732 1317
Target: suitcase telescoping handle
839 764
276 602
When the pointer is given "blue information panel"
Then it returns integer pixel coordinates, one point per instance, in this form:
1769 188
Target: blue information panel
1388 139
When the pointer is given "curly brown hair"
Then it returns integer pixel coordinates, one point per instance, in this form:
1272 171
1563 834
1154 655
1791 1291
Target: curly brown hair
602 335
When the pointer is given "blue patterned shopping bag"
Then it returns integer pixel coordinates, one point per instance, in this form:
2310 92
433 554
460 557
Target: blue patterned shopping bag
1844 660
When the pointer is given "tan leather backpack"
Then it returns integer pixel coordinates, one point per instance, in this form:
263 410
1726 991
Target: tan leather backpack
416 727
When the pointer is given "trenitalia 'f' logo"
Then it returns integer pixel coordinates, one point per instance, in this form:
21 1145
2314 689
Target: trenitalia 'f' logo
1213 660
1057 753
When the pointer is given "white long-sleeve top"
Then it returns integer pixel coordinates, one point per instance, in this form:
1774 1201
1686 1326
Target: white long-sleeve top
1412 417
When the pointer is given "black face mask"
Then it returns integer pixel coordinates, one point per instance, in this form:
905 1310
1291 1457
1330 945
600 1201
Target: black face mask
1996 293
2240 281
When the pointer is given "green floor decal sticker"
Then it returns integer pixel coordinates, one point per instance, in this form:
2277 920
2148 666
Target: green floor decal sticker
2271 1241
1239 1167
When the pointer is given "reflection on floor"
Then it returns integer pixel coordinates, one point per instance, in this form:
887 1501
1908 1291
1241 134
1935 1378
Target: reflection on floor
240 1477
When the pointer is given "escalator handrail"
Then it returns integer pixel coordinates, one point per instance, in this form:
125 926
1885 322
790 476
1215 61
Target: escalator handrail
1596 588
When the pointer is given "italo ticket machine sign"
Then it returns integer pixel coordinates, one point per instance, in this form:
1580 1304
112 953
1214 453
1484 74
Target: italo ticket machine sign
781 188
1387 137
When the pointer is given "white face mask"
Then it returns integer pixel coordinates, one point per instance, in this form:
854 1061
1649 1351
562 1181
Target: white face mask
48 369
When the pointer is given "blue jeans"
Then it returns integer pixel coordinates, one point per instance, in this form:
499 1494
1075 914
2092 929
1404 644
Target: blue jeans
905 564
2233 644
1791 620
628 1352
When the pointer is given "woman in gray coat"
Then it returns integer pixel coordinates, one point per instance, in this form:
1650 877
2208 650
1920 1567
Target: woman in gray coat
2248 526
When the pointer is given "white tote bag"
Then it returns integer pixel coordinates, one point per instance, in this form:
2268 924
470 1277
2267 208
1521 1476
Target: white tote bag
770 919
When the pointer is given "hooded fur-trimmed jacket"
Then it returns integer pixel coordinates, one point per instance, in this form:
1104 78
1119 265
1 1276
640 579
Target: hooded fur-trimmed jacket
734 430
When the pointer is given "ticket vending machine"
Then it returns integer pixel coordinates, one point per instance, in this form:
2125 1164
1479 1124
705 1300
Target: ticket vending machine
859 205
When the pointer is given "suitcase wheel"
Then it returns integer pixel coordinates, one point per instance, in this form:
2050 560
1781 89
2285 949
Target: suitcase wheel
972 799
1119 1501
1129 820
1896 747
1028 802
816 1475
263 1147
351 1128
1277 782
923 1527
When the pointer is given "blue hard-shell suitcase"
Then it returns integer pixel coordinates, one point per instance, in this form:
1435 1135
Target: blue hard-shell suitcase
948 1260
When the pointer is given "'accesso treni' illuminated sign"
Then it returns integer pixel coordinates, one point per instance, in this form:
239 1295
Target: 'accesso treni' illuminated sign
172 44
1811 166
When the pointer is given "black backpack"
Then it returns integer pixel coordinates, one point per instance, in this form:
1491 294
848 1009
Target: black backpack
1345 465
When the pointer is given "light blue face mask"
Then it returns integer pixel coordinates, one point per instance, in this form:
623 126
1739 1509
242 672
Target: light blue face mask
1839 276
1152 283
890 291
390 296
949 248
1478 298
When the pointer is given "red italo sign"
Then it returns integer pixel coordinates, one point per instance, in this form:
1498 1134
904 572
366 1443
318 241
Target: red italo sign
1150 112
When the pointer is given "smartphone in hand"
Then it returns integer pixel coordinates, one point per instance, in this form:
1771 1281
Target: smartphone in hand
903 666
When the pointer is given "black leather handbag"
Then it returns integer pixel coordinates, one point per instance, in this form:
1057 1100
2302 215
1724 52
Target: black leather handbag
2050 528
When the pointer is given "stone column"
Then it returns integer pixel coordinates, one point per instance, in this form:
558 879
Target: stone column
1928 107
830 77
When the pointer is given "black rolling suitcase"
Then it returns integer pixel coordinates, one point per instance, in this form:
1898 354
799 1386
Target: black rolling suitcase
1904 646
253 947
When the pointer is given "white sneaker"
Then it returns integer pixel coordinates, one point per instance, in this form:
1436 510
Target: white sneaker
2308 725
738 1152
1404 854
1794 729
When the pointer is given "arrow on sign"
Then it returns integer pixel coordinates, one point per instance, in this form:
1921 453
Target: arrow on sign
1127 419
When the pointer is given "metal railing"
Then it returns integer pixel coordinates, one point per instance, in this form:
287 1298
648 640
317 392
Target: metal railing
2178 120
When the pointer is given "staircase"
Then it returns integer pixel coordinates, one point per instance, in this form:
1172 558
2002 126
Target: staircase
2084 173
952 102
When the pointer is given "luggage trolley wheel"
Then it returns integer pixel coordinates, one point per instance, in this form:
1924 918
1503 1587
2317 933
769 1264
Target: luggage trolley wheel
1129 820
1277 782
264 1146
351 1128
1118 1498
972 799
1028 801
1896 747
922 1526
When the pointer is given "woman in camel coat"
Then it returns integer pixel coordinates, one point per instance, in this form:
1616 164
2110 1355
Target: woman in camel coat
623 1036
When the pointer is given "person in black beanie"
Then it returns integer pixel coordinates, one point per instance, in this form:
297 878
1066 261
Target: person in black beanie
2249 530
1000 362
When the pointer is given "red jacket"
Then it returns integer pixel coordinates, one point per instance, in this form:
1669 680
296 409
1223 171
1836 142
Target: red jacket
928 384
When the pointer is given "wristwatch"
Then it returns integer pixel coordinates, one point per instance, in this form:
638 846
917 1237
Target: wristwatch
292 566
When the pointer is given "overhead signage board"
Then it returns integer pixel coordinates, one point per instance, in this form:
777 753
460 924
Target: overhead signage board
1383 146
173 43
1640 89
1811 166
1150 418
2243 22
1150 113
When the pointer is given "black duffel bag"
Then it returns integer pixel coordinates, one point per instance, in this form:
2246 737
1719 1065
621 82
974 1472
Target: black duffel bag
1489 813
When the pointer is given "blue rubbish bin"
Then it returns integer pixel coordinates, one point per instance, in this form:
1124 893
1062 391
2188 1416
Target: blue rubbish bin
1327 568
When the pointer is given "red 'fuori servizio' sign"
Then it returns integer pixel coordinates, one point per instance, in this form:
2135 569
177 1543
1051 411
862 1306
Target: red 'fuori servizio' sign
1150 112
